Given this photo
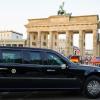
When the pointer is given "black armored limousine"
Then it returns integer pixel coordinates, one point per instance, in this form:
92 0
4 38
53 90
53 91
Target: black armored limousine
33 69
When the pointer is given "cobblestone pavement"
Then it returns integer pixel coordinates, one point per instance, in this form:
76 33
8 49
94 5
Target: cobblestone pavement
42 96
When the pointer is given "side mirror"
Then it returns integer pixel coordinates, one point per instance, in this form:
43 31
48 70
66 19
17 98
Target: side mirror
63 66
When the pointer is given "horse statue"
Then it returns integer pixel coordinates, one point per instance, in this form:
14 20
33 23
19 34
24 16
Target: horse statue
61 11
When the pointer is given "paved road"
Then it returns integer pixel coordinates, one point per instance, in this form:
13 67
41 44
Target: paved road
42 96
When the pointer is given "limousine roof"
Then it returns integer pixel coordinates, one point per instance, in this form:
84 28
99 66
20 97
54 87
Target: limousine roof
24 48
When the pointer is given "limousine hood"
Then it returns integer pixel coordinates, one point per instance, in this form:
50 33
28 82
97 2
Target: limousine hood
84 65
90 68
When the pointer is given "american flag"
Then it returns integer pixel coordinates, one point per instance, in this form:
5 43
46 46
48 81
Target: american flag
95 60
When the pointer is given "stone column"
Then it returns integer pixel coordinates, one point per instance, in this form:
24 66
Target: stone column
55 40
71 43
82 42
39 40
28 40
51 40
47 39
98 48
68 43
31 39
95 42
44 40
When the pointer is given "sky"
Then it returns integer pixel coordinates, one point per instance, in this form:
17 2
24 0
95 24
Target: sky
14 13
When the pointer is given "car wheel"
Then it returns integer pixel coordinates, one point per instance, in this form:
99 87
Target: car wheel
92 87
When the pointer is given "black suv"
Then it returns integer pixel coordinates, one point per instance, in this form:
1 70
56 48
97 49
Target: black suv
29 69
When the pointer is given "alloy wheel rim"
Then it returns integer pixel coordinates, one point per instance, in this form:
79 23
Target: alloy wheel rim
93 87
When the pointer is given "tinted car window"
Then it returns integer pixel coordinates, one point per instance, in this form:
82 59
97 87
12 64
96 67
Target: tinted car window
10 56
54 59
35 57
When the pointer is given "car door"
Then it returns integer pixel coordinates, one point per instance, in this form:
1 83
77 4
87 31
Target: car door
30 71
11 60
56 73
21 70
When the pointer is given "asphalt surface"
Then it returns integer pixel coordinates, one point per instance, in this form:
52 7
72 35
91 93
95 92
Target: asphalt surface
42 96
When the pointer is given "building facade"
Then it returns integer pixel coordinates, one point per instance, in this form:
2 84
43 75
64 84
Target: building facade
9 35
12 38
13 43
40 29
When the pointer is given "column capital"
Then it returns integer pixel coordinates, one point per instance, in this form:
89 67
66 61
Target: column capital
94 31
39 31
82 31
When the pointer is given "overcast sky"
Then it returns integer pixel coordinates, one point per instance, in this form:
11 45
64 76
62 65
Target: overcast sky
14 13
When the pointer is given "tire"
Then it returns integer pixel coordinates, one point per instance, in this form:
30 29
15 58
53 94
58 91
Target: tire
92 87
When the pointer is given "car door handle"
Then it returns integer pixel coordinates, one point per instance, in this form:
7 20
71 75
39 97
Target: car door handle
50 70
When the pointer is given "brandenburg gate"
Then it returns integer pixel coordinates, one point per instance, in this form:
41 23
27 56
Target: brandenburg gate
44 32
